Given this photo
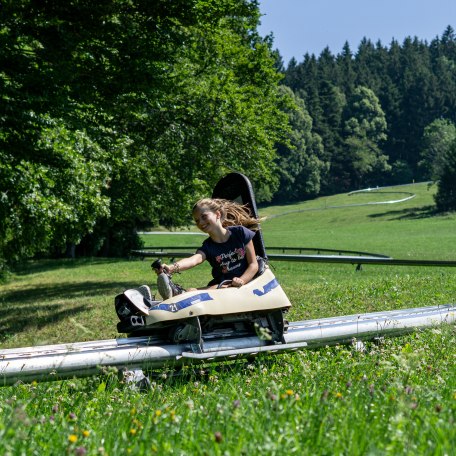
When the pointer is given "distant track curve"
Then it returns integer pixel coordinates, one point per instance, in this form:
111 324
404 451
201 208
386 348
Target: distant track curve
370 203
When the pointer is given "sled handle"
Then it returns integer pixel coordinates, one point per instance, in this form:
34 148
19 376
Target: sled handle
224 282
157 264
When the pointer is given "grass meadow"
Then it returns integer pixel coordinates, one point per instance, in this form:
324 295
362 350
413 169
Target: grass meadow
396 397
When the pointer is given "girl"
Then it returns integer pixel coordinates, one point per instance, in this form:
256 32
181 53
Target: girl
229 248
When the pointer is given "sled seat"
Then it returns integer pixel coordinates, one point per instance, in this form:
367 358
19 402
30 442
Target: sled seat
237 187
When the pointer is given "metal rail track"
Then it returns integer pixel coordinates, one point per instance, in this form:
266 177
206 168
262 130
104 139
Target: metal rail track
135 354
346 259
169 249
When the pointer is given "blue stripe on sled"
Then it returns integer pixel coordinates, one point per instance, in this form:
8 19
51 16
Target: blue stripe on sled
176 306
267 288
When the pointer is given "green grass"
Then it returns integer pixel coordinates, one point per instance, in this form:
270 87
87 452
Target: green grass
408 230
398 397
404 230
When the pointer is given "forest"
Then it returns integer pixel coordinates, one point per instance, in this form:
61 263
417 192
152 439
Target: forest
381 115
117 115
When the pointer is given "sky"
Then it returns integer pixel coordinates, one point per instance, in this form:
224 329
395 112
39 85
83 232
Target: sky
308 26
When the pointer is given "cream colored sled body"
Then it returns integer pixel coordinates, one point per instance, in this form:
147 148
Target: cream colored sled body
255 308
261 294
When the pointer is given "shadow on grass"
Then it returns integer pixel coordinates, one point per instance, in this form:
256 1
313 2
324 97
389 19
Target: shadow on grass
204 373
16 300
35 266
411 213
16 322
19 308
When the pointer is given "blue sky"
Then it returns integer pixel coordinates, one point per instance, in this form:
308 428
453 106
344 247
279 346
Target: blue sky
301 26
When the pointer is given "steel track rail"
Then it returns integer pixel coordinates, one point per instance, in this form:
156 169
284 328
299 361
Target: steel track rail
346 259
81 359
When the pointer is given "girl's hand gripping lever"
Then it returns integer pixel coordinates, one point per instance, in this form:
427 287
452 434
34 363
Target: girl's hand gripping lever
157 266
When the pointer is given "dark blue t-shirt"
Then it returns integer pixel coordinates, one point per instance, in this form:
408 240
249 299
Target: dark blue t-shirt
228 258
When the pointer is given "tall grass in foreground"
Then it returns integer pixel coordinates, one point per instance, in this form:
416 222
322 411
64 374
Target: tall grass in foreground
396 397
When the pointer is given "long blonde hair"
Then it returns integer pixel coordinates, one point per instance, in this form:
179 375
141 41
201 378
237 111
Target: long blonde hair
232 213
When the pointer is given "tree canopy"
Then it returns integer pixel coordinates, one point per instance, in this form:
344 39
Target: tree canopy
413 83
118 112
445 198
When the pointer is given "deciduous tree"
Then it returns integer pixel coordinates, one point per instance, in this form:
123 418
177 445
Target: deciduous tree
299 162
364 132
121 112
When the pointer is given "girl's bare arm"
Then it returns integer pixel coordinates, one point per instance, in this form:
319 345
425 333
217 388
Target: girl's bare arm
185 263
